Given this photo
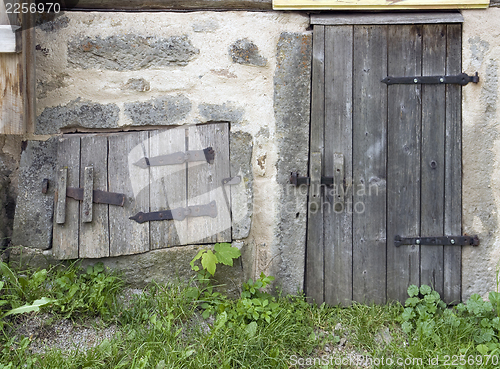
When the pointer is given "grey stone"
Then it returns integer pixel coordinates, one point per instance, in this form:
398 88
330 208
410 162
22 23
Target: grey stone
221 113
33 217
130 52
244 51
292 80
241 147
137 84
166 110
76 114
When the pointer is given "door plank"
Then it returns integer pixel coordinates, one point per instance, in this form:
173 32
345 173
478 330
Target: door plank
205 184
314 278
338 139
65 236
125 235
433 161
453 180
369 164
94 236
167 188
403 160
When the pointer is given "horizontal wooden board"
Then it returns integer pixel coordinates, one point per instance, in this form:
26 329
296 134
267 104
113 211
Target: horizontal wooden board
378 4
386 18
147 5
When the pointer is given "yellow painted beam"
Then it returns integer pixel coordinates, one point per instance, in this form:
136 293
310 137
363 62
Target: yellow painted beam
378 4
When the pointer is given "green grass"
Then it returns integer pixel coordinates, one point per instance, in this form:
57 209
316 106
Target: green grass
164 327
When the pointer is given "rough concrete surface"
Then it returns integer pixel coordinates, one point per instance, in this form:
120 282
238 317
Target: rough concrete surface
481 151
241 200
291 102
33 220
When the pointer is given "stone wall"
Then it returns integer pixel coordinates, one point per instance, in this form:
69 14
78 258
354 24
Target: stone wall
481 150
99 72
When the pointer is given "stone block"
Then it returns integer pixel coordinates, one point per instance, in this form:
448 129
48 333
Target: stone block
242 194
244 51
130 52
165 110
77 113
292 81
34 210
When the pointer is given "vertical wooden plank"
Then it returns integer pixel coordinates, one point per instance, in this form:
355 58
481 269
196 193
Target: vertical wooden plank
205 184
94 236
338 139
403 159
314 276
88 194
127 236
29 70
453 177
369 164
433 161
167 188
11 103
60 200
66 236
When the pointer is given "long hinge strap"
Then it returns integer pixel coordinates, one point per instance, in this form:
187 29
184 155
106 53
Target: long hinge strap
209 209
437 241
180 157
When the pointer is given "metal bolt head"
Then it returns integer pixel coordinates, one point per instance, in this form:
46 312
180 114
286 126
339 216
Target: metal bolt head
417 242
452 241
415 80
441 79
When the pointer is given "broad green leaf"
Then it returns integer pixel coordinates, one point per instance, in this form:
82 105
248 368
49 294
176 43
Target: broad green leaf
425 289
226 253
99 267
483 349
412 291
406 327
198 255
209 261
35 306
7 272
251 329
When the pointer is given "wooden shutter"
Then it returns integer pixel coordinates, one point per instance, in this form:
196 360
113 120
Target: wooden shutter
154 188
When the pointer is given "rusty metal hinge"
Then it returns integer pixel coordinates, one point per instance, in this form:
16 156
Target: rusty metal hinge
437 241
180 157
296 180
460 79
209 209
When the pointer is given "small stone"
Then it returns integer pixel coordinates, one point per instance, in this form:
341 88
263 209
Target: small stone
137 84
246 52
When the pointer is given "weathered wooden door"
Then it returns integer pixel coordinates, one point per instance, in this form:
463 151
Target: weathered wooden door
397 150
